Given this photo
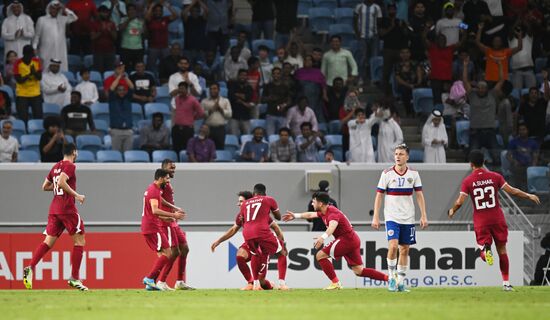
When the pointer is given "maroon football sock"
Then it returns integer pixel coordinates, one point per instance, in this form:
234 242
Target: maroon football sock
38 254
504 266
256 263
76 260
245 270
328 269
281 266
157 267
182 266
373 274
166 270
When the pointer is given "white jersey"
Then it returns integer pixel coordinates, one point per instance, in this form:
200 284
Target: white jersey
398 203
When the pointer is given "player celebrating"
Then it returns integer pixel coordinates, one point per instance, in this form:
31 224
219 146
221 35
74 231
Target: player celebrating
244 255
261 241
62 215
346 242
482 186
155 238
398 182
176 237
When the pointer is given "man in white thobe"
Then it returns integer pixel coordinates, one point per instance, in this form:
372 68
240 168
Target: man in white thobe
360 139
17 29
55 86
434 138
389 136
50 39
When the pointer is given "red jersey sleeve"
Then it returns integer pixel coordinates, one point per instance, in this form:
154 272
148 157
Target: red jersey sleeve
239 219
49 176
464 188
273 204
500 181
69 170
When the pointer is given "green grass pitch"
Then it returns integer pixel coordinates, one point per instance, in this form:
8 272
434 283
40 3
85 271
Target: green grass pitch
420 303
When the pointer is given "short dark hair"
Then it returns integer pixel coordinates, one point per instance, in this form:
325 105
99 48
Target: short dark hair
242 70
256 128
83 70
259 189
337 79
51 121
245 194
77 93
158 115
252 60
317 49
335 36
161 173
183 84
214 84
322 197
69 149
358 111
183 58
130 5
477 158
305 124
276 68
263 48
507 88
166 162
284 129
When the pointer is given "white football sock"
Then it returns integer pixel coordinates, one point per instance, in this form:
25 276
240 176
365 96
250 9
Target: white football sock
392 265
401 272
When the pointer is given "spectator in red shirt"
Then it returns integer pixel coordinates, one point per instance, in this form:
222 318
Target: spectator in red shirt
103 34
119 69
185 110
157 26
85 10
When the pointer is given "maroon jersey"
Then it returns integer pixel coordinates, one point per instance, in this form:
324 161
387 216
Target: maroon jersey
482 186
239 219
62 203
149 221
168 195
333 214
255 214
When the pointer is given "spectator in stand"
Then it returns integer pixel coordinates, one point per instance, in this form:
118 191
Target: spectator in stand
52 141
104 36
118 10
155 136
449 25
329 158
458 64
317 55
523 152
360 136
295 49
286 12
309 143
169 65
11 58
254 80
434 138
201 148
77 117
265 65
9 147
263 15
418 21
17 29
532 112
120 91
483 104
5 105
212 66
277 96
219 21
87 89
194 18
389 136
280 58
185 110
394 32
157 28
345 113
365 24
284 149
338 62
233 64
49 38
256 150
521 63
542 274
86 11
312 84
28 73
242 44
184 74
145 85
434 8
132 30
197 70
334 99
505 112
240 95
218 111
544 39
299 114
408 75
55 85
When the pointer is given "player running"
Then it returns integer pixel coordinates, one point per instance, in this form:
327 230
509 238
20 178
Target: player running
176 237
346 242
398 183
482 186
62 215
244 255
155 238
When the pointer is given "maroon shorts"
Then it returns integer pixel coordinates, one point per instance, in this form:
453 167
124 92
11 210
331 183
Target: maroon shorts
59 222
348 246
156 241
174 235
486 233
246 248
268 245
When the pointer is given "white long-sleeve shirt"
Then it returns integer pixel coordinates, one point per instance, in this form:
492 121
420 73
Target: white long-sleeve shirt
11 25
88 90
50 88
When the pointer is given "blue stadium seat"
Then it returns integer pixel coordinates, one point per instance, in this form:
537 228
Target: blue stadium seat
334 142
35 126
28 156
163 96
137 112
350 3
75 62
254 123
88 61
463 133
329 4
50 109
540 63
335 127
197 125
69 139
262 42
108 73
344 16
245 138
272 138
376 65
136 156
155 107
416 156
303 8
89 142
95 77
224 156
538 180
85 156
30 142
100 111
107 142
183 156
135 142
345 31
423 100
9 91
160 155
320 19
18 128
101 127
231 143
142 124
109 156
71 77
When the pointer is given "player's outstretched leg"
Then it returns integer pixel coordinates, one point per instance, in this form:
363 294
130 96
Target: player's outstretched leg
504 264
361 271
243 257
76 260
328 269
161 283
281 267
162 260
488 255
37 255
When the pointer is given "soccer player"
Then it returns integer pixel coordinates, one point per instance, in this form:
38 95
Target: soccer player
244 255
261 241
62 215
482 186
155 238
346 242
398 183
176 237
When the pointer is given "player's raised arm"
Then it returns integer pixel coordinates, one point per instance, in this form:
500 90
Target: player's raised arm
289 216
519 193
161 213
227 235
458 203
332 225
422 205
62 182
47 185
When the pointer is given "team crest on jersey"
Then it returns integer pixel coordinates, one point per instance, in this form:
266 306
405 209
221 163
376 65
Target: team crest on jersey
410 180
390 233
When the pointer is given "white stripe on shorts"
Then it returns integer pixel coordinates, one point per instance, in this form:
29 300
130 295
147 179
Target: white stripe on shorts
159 241
333 248
78 224
169 236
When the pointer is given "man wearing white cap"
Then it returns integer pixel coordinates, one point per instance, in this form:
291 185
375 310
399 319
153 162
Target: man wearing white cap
434 138
17 29
50 39
55 86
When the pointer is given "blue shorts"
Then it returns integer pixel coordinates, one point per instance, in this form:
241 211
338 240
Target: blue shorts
405 233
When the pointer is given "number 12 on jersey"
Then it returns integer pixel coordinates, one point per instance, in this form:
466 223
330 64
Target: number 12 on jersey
255 207
56 189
